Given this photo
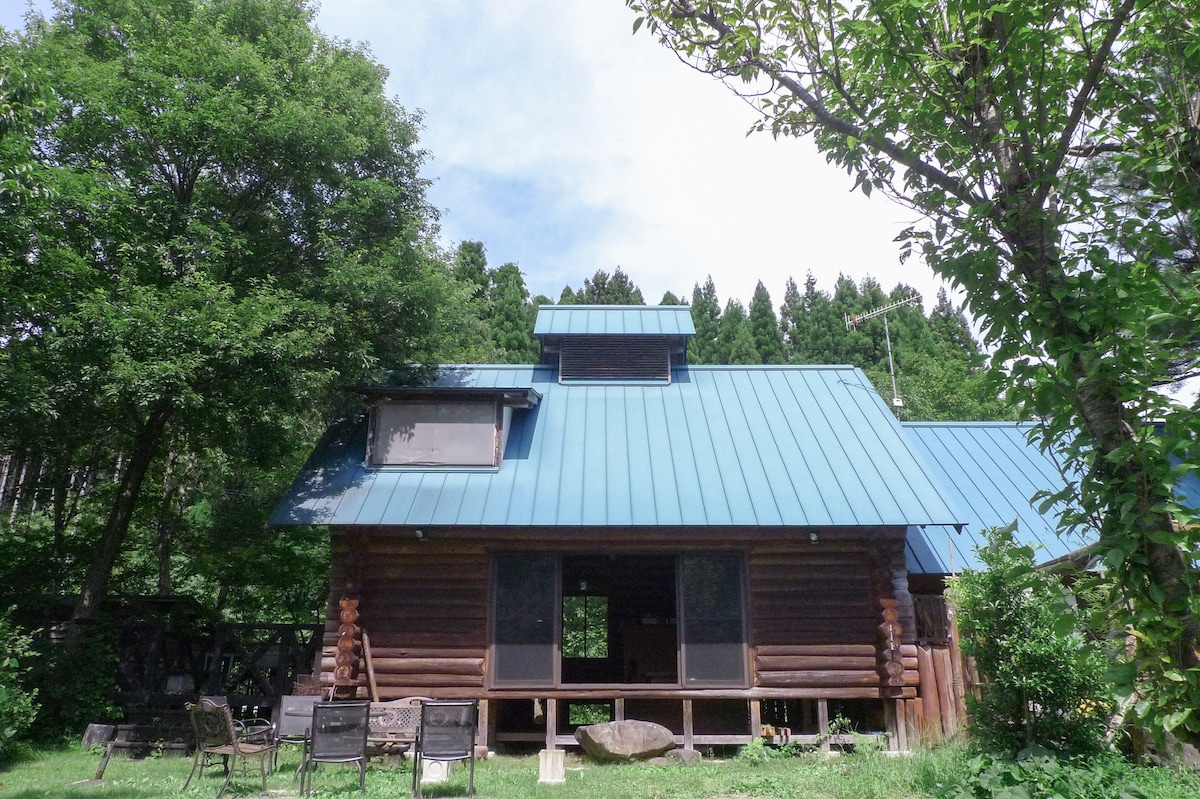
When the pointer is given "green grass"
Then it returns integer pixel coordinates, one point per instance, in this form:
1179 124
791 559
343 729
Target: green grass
924 775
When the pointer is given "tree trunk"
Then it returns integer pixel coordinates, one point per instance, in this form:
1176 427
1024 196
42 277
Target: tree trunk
95 583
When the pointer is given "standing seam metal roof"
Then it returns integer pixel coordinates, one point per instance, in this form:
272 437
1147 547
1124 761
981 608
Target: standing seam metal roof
754 445
992 471
614 320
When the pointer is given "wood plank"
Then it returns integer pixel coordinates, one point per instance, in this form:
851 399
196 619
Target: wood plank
817 650
927 681
473 665
941 671
813 662
818 679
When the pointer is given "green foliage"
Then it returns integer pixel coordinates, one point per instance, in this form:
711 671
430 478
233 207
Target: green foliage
75 689
1039 775
764 327
604 289
706 317
1044 681
18 700
229 225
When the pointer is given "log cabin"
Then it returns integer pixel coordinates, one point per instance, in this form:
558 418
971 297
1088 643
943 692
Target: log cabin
612 533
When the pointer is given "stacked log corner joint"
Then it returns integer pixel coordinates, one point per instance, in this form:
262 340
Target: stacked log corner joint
349 646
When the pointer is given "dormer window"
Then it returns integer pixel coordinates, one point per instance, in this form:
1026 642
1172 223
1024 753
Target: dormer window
436 434
441 427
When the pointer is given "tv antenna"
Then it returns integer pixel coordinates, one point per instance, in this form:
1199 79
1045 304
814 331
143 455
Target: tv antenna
852 321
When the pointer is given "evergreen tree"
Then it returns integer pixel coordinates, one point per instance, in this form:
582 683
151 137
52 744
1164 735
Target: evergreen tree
511 323
733 321
706 316
764 327
669 298
470 267
790 318
567 297
603 289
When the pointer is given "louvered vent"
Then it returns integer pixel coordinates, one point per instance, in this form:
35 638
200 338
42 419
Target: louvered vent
615 358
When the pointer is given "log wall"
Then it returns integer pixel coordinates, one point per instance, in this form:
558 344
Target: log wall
826 619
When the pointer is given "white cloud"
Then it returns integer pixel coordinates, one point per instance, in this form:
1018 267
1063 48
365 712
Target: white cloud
568 145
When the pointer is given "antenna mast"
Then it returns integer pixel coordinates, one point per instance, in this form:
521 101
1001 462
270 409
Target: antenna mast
852 321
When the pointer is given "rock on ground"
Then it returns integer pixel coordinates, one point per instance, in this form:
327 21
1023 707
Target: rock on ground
625 740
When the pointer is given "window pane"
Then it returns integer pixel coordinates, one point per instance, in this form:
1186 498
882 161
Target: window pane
434 434
585 627
526 605
713 634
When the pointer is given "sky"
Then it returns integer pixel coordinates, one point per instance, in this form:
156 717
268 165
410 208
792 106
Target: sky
566 144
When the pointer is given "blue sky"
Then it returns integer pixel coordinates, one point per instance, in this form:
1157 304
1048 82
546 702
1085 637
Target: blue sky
566 144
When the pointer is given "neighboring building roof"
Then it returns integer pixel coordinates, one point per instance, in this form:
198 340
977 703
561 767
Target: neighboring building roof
719 445
614 320
992 471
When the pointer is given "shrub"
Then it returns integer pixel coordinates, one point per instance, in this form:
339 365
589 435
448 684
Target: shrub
76 689
1040 775
17 702
1044 681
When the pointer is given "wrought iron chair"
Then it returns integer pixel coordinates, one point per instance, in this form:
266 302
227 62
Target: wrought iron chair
447 733
217 735
338 735
395 724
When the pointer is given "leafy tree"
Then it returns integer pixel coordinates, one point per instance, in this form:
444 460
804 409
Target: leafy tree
567 297
764 327
231 224
988 120
18 705
604 289
1043 677
706 317
669 298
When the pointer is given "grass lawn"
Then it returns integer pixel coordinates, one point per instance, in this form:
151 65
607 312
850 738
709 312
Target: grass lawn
926 775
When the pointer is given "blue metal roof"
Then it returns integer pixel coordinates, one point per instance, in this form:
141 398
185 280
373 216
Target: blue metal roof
991 470
614 320
719 445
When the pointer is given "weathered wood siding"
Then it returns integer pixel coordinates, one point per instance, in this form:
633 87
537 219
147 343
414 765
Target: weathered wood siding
819 617
424 606
817 612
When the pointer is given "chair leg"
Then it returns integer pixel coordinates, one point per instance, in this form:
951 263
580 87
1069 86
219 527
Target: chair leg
231 766
362 775
195 763
471 782
417 775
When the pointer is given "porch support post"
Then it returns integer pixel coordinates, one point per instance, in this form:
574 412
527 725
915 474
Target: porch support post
689 737
551 723
823 723
619 709
755 718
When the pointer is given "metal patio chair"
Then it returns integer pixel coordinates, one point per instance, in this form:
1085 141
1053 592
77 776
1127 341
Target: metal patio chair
338 734
293 722
447 733
216 734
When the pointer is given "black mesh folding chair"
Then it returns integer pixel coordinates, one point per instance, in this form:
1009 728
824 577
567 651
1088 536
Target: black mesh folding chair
293 722
338 734
447 733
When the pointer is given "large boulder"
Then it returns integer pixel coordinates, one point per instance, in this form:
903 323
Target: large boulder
625 740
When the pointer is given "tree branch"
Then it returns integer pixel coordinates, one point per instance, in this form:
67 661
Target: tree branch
1090 78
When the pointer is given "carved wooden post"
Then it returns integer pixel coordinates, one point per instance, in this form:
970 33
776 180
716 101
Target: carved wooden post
890 660
345 668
